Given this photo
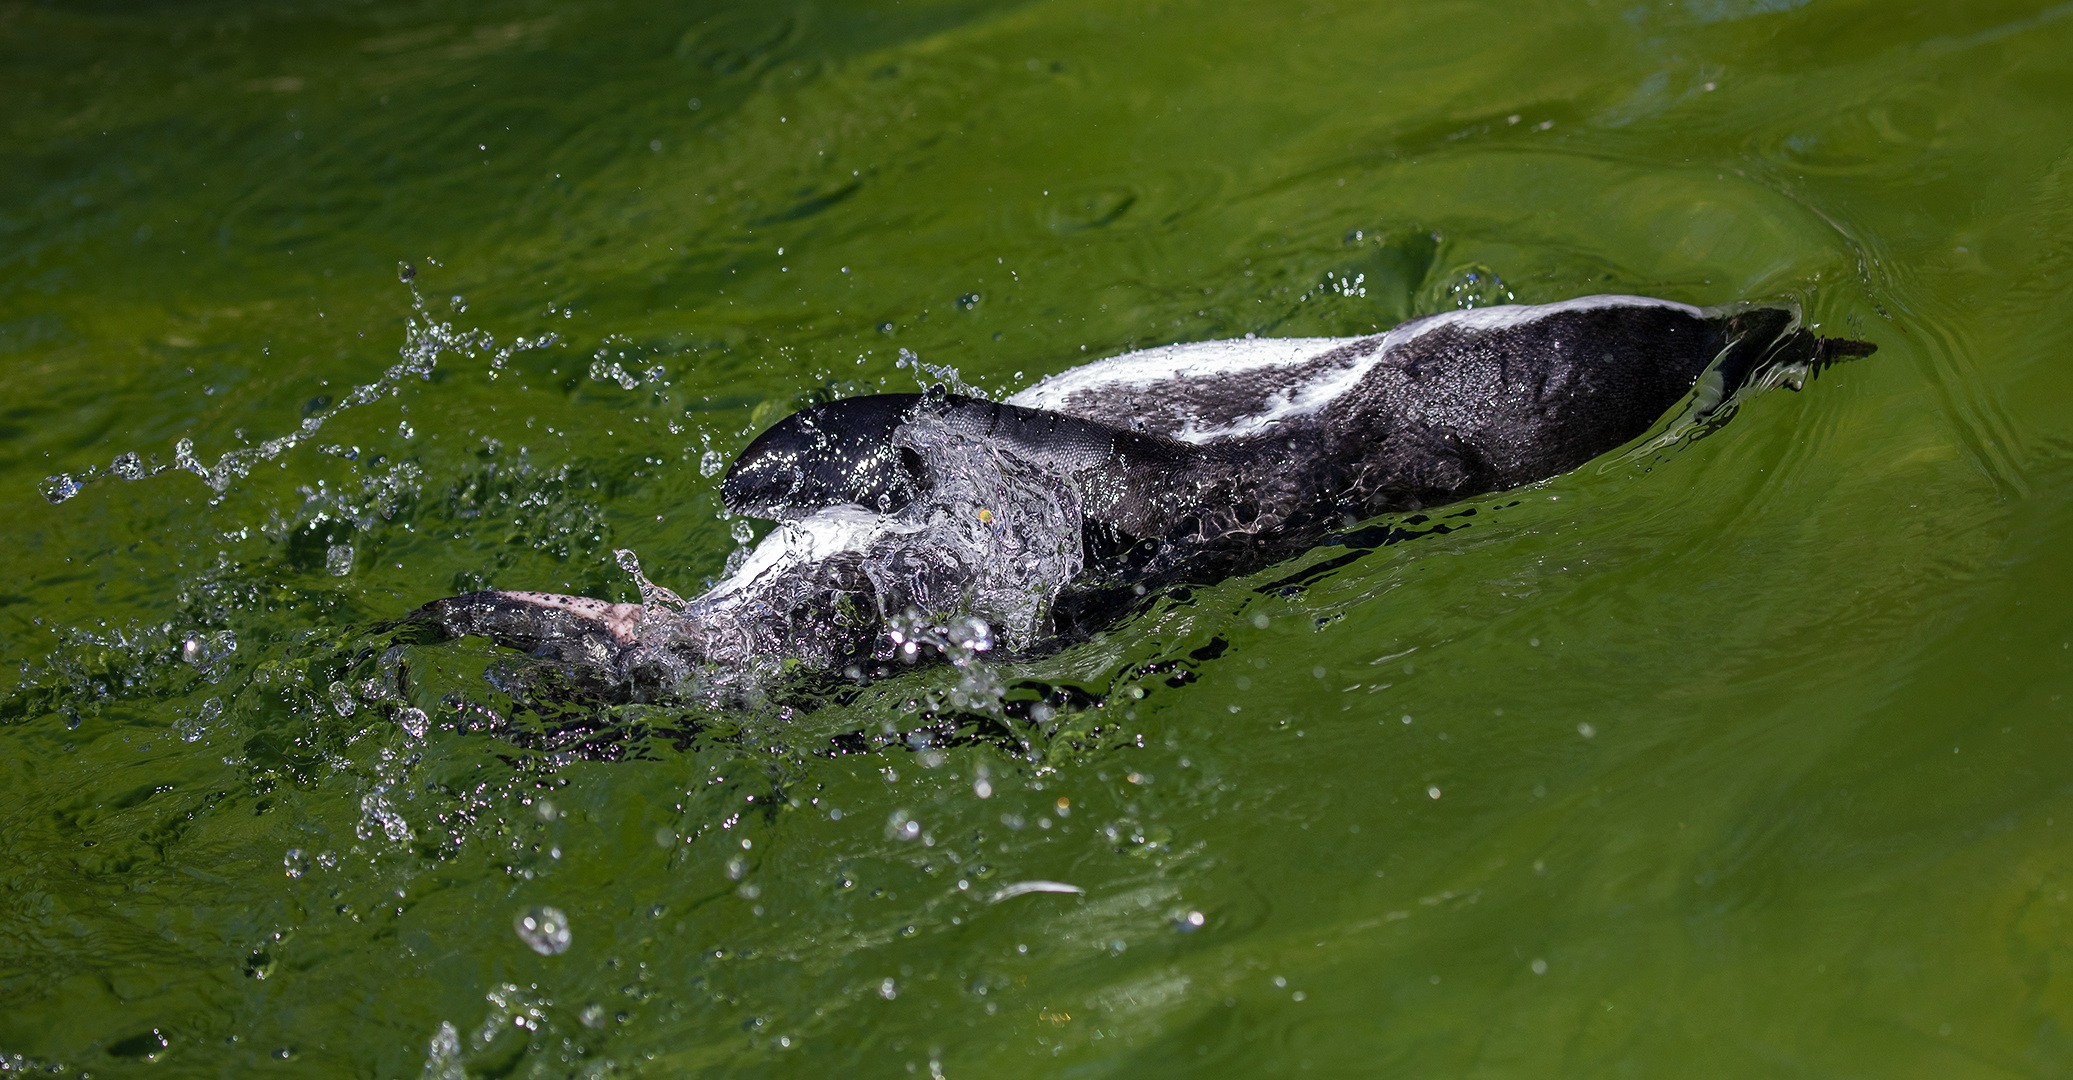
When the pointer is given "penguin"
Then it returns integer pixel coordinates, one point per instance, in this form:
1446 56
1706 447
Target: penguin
1188 462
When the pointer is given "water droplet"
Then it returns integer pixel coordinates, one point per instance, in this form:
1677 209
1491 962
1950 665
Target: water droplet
191 729
443 1056
338 558
1432 792
1586 730
460 303
593 1016
413 721
1540 967
129 466
405 272
342 701
295 862
57 489
544 929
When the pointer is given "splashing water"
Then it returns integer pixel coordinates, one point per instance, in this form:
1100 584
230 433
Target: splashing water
944 373
424 339
971 567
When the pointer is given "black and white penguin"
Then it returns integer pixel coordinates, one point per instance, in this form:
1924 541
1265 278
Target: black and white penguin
1188 461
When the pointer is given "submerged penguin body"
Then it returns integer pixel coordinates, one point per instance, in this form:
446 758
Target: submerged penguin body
1184 461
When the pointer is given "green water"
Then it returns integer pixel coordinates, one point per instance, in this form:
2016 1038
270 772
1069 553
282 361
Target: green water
1741 758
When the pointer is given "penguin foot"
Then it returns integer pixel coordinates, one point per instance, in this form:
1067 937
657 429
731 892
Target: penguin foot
573 629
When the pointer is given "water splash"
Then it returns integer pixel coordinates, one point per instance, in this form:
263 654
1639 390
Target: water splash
911 361
424 339
971 567
443 1055
1470 286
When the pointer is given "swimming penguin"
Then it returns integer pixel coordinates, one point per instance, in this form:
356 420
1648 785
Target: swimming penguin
1186 462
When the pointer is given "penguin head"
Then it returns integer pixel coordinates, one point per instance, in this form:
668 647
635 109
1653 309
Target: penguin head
834 454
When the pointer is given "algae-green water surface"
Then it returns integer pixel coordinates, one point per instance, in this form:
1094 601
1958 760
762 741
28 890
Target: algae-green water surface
1736 757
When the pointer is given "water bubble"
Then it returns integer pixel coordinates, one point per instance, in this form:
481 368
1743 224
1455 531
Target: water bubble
737 867
898 826
710 463
1540 967
460 303
404 430
1433 792
1586 730
888 989
544 929
405 272
413 721
295 863
342 701
338 558
593 1016
983 788
129 466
